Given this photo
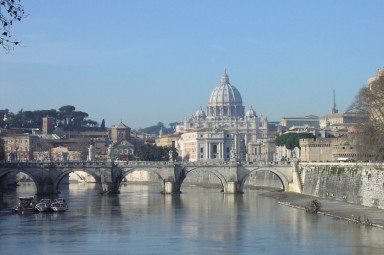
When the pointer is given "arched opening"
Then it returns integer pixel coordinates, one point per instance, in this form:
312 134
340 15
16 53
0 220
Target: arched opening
141 181
14 184
202 180
264 179
81 177
76 182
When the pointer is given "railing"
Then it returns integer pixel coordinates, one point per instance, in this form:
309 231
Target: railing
46 164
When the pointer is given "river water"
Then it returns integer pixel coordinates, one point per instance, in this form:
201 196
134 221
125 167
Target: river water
140 220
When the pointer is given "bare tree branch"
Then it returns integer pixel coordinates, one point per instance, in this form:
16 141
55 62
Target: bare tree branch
369 135
10 12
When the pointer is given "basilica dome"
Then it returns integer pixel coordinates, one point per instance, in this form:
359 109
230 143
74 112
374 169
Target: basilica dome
200 113
225 100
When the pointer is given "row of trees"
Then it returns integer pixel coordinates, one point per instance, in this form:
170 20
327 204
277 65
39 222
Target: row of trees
67 118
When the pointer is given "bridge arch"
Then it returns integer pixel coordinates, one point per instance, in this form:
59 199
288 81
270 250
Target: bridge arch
16 170
66 171
128 170
221 178
283 179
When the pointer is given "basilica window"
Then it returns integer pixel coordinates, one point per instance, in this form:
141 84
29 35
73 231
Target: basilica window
214 148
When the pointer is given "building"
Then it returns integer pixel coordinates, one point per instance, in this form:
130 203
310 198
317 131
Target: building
206 144
167 140
288 122
331 150
123 149
19 146
225 119
58 154
48 125
344 120
316 150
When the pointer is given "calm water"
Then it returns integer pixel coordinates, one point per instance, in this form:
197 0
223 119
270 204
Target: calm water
200 221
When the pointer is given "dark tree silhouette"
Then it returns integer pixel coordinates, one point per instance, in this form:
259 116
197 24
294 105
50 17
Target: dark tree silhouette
102 127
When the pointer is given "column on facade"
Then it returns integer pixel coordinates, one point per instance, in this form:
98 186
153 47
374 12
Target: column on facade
207 150
221 150
235 145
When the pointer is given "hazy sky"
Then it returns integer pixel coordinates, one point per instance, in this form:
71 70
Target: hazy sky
147 61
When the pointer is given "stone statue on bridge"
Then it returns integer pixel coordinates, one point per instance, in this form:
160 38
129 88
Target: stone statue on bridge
12 156
111 153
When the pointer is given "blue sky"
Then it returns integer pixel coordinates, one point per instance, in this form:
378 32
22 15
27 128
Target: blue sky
147 61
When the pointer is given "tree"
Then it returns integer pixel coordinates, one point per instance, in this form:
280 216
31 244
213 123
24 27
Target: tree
173 125
102 127
153 153
78 118
292 140
66 118
10 12
66 114
368 136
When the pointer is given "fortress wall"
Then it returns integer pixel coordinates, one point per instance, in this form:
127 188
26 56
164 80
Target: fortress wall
360 183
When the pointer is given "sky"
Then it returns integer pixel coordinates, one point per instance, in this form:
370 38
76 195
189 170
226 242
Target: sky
145 61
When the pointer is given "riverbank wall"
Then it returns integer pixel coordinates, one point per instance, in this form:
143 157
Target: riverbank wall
358 183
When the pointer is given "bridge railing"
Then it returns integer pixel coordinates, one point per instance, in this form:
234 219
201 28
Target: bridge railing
45 164
132 163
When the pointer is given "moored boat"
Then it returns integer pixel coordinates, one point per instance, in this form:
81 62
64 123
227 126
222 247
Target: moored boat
59 205
25 205
44 205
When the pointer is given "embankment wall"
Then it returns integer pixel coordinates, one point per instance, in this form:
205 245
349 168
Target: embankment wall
360 183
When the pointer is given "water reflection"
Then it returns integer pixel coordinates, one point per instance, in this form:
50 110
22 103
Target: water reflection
140 220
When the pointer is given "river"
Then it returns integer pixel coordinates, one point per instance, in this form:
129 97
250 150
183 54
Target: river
140 220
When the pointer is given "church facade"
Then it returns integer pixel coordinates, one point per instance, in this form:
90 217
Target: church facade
225 131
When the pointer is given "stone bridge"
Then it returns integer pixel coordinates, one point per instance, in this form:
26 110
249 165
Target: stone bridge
109 175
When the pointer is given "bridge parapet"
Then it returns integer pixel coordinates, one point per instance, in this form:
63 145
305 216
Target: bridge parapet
59 164
144 163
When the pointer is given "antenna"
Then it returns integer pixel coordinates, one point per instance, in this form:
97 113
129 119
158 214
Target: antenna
334 109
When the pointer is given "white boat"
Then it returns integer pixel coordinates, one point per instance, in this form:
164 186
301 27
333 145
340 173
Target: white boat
59 205
44 205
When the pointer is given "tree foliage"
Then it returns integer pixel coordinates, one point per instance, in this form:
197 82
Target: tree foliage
66 118
292 140
153 153
11 11
155 129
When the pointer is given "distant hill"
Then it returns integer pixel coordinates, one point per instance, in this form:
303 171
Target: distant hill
155 129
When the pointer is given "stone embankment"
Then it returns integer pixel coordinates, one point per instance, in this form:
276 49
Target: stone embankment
358 214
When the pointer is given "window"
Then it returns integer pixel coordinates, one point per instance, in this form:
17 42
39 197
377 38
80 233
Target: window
214 148
201 150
